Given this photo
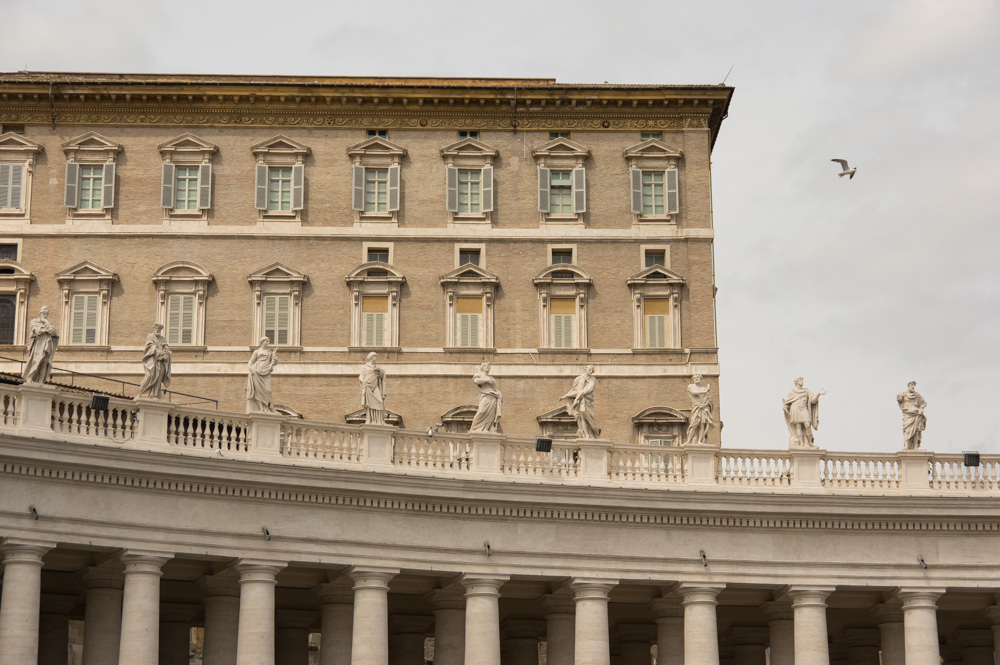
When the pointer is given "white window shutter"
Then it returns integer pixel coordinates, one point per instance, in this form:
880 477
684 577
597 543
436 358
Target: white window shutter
474 320
451 187
71 193
487 190
635 176
109 185
281 323
656 331
16 186
5 186
463 330
204 186
544 183
394 188
91 319
269 317
78 319
672 194
369 329
298 186
358 187
173 320
167 185
579 181
187 320
260 187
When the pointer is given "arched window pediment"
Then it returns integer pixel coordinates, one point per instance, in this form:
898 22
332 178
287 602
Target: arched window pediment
551 273
361 273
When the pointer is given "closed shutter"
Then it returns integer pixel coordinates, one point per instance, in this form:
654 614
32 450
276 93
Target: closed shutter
109 185
451 187
635 177
260 187
71 192
5 197
543 189
656 311
298 186
180 319
83 324
562 330
204 186
470 316
393 188
487 190
276 318
358 187
16 186
579 181
375 329
167 185
673 202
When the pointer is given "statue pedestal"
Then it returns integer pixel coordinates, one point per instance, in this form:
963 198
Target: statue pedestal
806 470
376 445
914 469
265 434
487 454
594 463
701 465
152 426
34 408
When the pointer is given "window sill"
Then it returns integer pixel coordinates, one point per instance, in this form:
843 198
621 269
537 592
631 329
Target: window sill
187 348
271 216
377 349
660 350
562 350
12 347
562 220
82 216
470 349
103 348
275 347
641 220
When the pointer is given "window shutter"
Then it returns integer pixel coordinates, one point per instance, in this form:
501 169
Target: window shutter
544 183
269 317
71 193
78 319
5 186
173 320
167 185
562 331
281 323
393 188
672 197
656 331
187 320
579 189
358 189
451 185
204 186
370 329
16 185
260 187
636 178
487 190
91 319
298 186
109 185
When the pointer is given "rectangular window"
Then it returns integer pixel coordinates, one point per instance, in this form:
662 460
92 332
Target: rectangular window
558 135
470 317
378 254
466 256
8 318
656 257
378 134
84 318
186 188
645 136
279 189
180 319
563 322
11 186
376 190
276 318
91 187
375 312
652 193
8 252
560 193
469 190
656 312
562 256
468 134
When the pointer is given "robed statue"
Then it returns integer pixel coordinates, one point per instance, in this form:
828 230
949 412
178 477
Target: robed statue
43 339
701 420
156 356
260 366
372 380
801 415
580 404
487 418
914 421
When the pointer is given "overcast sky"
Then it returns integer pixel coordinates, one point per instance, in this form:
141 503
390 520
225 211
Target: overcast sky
860 286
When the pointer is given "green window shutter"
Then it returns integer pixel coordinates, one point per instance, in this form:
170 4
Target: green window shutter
672 193
487 189
109 186
635 176
298 186
204 186
167 185
579 183
393 188
358 187
451 188
71 192
544 182
260 187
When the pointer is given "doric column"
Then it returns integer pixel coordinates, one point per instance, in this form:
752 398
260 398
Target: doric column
336 622
482 618
669 630
920 630
749 644
635 642
370 636
406 638
862 645
812 645
890 626
560 628
255 632
449 625
781 632
140 643
175 633
976 646
993 613
291 636
222 618
19 604
519 641
701 637
102 619
591 637
53 628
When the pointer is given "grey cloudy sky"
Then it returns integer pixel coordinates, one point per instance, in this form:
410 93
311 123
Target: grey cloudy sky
858 285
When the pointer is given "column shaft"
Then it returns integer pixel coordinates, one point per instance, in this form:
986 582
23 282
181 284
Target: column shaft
701 636
222 626
20 602
449 636
482 619
255 634
370 635
336 626
592 644
140 641
812 643
560 628
102 620
920 630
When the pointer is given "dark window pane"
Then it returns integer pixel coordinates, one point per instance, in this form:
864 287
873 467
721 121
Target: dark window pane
468 256
562 256
8 252
8 310
655 258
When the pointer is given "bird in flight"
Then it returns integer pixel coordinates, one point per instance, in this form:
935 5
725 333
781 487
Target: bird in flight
845 168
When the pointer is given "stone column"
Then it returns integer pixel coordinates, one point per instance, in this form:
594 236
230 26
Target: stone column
862 645
592 639
449 626
406 638
635 642
336 622
482 618
920 625
890 625
19 604
291 637
781 632
993 613
140 642
255 632
175 633
669 630
701 637
812 643
560 628
53 628
102 620
370 636
222 618
749 644
520 638
976 646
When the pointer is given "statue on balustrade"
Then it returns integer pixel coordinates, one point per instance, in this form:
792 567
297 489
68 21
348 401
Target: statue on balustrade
912 405
261 364
801 415
373 394
701 420
43 339
156 356
487 418
580 404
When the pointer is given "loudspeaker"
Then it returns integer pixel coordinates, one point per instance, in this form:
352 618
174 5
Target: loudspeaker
543 445
98 402
970 458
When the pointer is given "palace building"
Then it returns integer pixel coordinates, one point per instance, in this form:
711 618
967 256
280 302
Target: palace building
537 227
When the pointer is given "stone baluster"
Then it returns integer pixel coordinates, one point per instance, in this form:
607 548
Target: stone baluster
560 626
781 632
635 642
370 636
336 622
891 637
102 620
519 641
812 646
749 644
19 604
482 618
920 630
592 638
291 636
222 618
449 625
669 630
701 638
141 607
175 632
255 634
53 628
407 634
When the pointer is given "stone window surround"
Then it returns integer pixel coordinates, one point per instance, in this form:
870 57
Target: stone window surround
361 284
470 154
561 154
372 244
656 248
280 152
187 150
17 284
15 149
183 277
86 278
462 246
457 286
278 279
658 422
643 287
376 153
92 149
561 247
653 155
578 288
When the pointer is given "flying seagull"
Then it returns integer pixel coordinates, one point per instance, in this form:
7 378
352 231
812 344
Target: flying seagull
847 170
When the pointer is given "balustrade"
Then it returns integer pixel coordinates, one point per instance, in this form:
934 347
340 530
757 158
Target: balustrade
8 406
73 414
647 463
208 430
948 473
749 468
302 439
420 451
860 471
521 459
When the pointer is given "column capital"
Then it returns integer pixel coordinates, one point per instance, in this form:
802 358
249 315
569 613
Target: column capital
777 610
695 593
22 550
585 588
558 603
334 593
919 597
667 608
371 577
634 632
259 570
891 612
446 599
108 575
222 584
147 562
809 596
513 629
480 584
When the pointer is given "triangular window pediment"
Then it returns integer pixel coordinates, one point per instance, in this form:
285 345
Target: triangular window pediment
91 141
469 271
188 143
281 145
469 146
278 271
376 145
652 148
561 147
86 270
11 142
658 273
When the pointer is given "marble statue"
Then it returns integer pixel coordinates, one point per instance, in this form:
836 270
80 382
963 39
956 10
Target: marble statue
261 365
701 420
801 415
912 405
580 404
373 391
156 356
487 418
43 339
